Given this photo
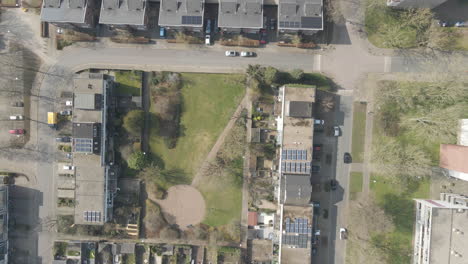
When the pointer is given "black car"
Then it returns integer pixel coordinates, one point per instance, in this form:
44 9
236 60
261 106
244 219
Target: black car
333 184
316 206
315 168
347 158
314 251
17 104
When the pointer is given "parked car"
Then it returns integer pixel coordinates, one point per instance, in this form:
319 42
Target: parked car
333 184
66 112
208 26
59 30
162 32
316 206
314 251
343 233
68 167
16 117
315 168
263 36
445 24
273 24
69 103
231 53
460 24
17 131
17 104
63 139
347 158
336 131
208 40
317 151
247 54
69 155
319 122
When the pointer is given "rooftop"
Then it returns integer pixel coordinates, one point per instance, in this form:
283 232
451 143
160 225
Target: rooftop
454 157
299 109
89 190
123 12
240 14
181 13
87 101
297 190
300 14
66 11
444 240
253 218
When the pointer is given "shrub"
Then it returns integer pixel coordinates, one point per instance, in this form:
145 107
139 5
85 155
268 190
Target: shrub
133 122
139 160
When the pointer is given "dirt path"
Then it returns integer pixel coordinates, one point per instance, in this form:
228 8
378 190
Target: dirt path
219 142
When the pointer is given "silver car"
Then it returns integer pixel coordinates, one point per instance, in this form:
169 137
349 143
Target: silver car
231 53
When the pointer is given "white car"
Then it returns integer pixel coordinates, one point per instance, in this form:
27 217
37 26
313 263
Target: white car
231 53
16 117
247 54
208 40
59 30
69 103
336 131
343 233
68 167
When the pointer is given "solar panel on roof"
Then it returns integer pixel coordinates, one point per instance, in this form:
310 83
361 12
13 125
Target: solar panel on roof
294 154
304 155
283 164
288 220
297 227
283 154
191 20
288 154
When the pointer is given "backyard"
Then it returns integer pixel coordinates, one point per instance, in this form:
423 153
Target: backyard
128 82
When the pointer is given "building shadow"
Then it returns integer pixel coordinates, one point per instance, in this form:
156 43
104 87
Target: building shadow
24 224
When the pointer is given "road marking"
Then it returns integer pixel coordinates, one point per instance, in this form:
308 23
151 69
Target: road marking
318 63
387 63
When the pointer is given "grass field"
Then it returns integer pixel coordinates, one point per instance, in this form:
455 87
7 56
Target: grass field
396 199
359 132
208 102
355 185
128 82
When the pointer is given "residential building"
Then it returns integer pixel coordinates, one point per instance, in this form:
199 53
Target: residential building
441 229
182 14
4 245
127 14
94 176
69 13
295 136
240 15
454 157
414 3
305 16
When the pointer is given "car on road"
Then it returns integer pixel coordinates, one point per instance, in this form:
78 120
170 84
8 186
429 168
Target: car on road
59 30
460 24
314 251
17 131
231 53
333 185
17 104
162 32
319 122
66 112
336 131
247 54
69 103
316 206
263 36
16 117
208 26
347 158
62 139
208 40
343 233
317 152
68 167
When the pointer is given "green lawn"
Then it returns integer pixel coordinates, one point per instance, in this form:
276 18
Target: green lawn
208 102
462 40
359 132
396 199
355 184
128 82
